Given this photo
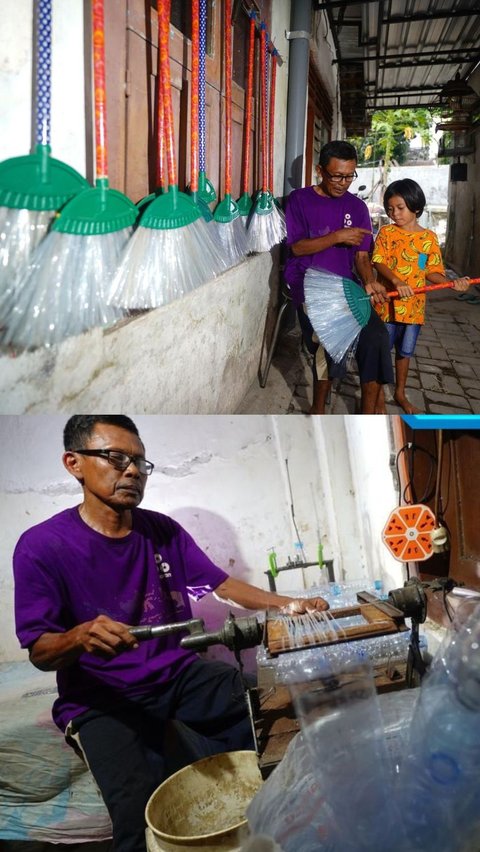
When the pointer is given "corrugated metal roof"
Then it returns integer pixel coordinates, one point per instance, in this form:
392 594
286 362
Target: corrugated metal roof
400 53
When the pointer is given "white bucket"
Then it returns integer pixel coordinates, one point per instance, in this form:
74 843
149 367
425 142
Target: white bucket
203 805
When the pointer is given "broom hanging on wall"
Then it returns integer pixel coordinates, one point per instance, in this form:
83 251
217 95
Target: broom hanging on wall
63 291
228 225
261 230
171 252
206 191
338 309
277 223
245 200
33 187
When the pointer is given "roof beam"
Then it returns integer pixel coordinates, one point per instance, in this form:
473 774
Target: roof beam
456 53
429 16
418 61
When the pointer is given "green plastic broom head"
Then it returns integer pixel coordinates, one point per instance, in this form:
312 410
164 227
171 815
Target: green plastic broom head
263 203
202 206
227 210
172 209
360 307
97 210
206 190
38 182
244 204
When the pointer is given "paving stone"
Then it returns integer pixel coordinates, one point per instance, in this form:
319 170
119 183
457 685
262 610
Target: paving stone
451 385
472 393
464 370
475 406
431 365
431 381
457 403
445 409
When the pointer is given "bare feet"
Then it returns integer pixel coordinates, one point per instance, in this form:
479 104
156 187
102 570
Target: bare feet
405 403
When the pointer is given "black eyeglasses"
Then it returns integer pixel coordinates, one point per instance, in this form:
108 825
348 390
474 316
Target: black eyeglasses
340 178
120 460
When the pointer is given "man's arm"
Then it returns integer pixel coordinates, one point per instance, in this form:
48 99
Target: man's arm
251 597
102 636
347 236
460 284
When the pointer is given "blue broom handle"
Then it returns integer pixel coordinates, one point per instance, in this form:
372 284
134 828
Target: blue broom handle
43 64
201 84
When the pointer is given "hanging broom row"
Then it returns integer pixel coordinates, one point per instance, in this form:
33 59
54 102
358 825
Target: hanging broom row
33 187
277 219
229 228
63 291
245 200
171 252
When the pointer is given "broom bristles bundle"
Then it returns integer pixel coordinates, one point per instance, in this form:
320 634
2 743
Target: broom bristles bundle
46 310
231 237
159 266
266 230
20 233
330 314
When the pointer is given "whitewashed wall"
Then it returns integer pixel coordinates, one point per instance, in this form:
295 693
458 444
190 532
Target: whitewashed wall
68 104
225 479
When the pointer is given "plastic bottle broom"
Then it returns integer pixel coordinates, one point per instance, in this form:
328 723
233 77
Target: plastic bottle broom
258 224
171 251
63 293
338 309
229 228
245 200
35 186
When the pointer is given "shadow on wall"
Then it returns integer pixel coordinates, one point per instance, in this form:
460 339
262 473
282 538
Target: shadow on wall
219 541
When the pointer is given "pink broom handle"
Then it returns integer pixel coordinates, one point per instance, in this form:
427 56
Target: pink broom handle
98 26
271 118
163 12
443 286
263 95
228 97
248 102
194 136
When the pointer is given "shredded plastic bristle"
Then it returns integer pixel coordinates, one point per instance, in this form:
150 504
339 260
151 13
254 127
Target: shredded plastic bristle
48 308
20 233
265 224
159 266
231 238
328 308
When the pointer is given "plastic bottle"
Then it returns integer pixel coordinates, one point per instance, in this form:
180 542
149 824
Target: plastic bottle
439 784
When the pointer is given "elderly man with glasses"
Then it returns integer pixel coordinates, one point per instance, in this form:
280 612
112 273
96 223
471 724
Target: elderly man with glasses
329 228
87 575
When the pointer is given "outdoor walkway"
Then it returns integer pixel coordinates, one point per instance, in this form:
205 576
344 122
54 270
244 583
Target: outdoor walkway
444 375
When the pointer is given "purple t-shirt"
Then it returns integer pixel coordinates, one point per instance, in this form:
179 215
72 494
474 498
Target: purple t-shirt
66 573
310 215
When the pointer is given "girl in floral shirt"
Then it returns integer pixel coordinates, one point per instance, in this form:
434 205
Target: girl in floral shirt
406 257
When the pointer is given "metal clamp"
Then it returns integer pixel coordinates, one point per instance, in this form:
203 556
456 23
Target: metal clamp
290 34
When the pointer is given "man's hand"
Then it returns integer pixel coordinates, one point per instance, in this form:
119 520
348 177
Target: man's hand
377 291
352 236
105 637
300 606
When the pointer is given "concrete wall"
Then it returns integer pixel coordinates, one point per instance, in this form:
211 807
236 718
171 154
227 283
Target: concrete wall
198 355
432 179
225 479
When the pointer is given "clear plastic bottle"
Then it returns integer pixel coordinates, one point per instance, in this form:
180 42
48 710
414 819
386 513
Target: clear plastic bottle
439 784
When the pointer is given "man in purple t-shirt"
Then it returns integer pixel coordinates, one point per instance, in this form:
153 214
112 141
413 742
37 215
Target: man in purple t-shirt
86 575
330 229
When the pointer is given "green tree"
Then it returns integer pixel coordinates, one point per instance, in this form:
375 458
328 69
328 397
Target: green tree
390 135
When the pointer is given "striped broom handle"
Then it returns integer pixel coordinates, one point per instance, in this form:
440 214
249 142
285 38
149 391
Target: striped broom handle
228 97
43 63
271 119
263 110
194 98
98 26
443 286
248 102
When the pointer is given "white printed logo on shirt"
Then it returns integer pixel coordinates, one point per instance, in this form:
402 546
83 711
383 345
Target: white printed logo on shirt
163 568
347 221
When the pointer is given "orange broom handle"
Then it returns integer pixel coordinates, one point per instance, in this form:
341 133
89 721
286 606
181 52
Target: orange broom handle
443 286
263 94
228 97
271 118
160 179
163 11
194 137
248 102
98 32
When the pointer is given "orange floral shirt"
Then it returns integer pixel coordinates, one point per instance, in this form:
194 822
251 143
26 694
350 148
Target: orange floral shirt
412 256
